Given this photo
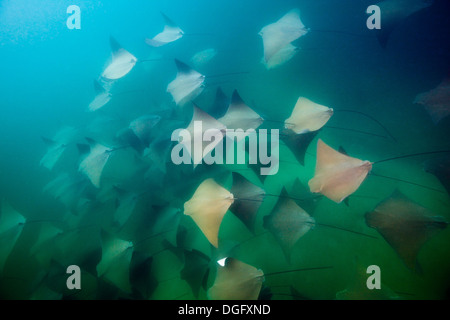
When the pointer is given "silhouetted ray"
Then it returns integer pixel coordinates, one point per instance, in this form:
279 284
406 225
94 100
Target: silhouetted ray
303 197
298 143
142 280
203 57
405 225
357 288
220 104
393 13
57 146
115 263
187 85
277 38
139 132
102 97
170 33
121 64
196 133
308 116
240 116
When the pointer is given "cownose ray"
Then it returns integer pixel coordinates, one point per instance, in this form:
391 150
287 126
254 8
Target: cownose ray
11 226
303 197
305 121
236 280
170 33
436 101
393 13
56 146
248 199
262 170
239 115
203 57
207 208
43 248
79 244
440 167
277 38
95 160
337 175
138 134
121 63
298 143
201 123
307 116
288 222
115 262
142 280
405 225
70 190
357 288
302 126
281 57
126 203
187 85
195 270
55 281
220 104
158 153
143 126
102 97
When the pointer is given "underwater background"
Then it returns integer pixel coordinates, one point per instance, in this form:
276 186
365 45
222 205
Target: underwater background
46 77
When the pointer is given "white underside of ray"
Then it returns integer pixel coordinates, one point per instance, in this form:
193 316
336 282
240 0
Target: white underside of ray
278 35
111 251
115 263
281 57
394 10
125 209
169 34
92 166
308 116
99 101
11 226
122 63
186 87
54 152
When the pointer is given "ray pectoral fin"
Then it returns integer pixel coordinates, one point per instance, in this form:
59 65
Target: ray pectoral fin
154 43
236 280
207 208
405 225
337 175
